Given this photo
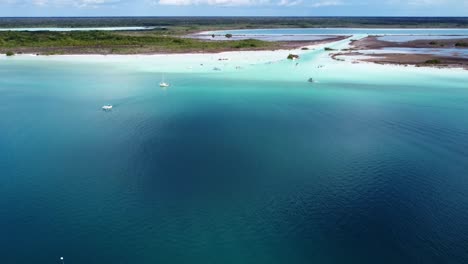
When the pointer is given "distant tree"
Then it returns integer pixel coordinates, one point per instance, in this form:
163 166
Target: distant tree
435 61
293 57
10 53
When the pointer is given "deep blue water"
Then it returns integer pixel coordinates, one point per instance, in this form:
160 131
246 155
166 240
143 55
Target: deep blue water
226 170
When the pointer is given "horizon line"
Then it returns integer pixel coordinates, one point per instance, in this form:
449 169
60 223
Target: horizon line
228 16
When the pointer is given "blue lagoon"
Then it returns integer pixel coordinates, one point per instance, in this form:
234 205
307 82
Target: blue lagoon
248 164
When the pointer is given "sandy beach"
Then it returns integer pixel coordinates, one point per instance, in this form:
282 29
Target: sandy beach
314 62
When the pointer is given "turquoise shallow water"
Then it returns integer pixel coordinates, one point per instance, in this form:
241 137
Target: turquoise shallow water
256 166
350 31
387 34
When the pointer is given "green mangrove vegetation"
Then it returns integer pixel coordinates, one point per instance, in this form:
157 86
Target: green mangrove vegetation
192 24
434 61
292 57
105 42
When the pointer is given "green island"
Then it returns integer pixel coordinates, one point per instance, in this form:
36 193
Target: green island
170 33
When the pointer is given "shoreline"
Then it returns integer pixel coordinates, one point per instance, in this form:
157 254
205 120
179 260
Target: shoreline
173 62
246 57
363 48
75 50
190 62
223 31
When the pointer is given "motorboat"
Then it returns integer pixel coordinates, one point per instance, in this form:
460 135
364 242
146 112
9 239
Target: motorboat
163 84
107 107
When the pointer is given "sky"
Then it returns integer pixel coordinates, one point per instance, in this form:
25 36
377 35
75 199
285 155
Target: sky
233 8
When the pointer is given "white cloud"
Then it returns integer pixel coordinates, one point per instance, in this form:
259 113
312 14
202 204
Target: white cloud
76 3
40 2
97 3
284 3
94 3
289 3
423 3
326 3
213 2
426 2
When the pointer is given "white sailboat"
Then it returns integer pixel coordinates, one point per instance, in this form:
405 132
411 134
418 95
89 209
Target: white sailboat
163 83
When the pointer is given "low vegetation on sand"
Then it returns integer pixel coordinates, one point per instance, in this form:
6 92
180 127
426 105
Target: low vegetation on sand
434 43
434 61
461 44
117 42
293 57
10 53
329 49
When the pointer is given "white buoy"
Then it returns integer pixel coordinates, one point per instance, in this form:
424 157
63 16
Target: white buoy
63 261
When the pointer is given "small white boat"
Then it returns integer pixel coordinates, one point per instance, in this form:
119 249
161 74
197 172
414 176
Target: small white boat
163 84
107 107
